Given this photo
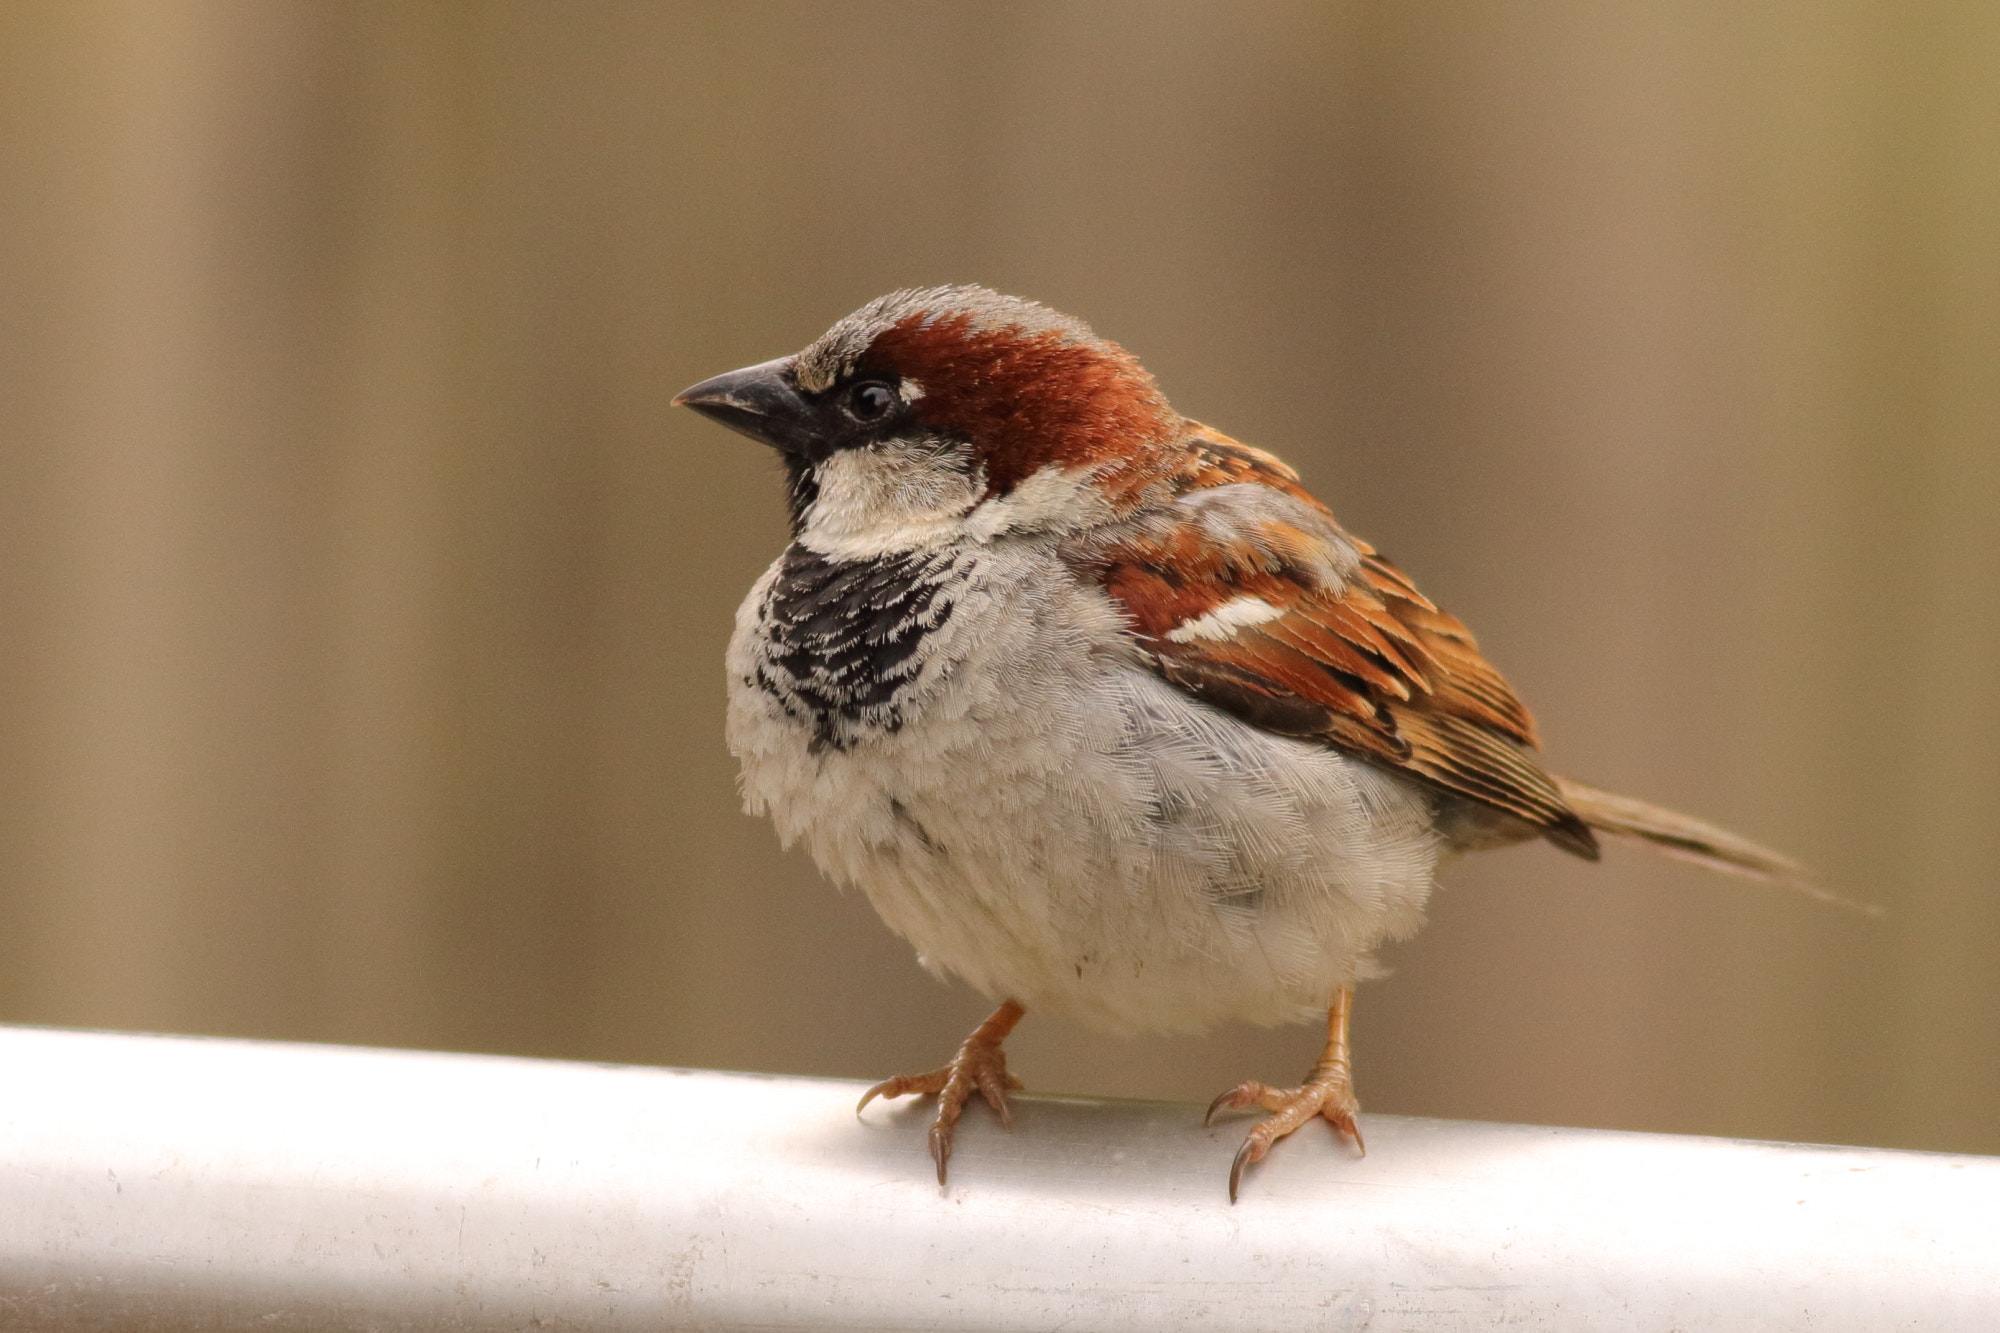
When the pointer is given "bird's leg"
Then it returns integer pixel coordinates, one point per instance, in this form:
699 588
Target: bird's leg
1328 1091
980 1066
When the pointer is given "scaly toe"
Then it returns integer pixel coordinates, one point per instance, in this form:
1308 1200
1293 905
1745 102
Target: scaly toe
902 1085
1331 1099
1236 1098
977 1068
1343 1122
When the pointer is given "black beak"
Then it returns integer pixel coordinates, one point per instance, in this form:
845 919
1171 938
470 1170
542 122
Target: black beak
758 401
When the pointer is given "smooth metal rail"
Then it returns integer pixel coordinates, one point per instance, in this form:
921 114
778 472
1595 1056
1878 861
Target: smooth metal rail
165 1182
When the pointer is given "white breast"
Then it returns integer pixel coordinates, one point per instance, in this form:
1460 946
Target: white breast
1054 823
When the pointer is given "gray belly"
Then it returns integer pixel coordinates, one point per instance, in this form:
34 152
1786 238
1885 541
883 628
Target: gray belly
1046 819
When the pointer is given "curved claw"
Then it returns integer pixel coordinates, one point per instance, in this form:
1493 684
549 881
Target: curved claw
1330 1100
1242 1095
995 1091
979 1066
940 1148
1245 1155
901 1086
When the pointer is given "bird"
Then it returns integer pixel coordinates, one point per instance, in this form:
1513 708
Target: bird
1101 709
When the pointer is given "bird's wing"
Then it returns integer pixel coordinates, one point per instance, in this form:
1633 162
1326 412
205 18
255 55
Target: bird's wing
1245 593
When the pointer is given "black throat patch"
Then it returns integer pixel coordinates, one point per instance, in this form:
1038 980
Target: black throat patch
841 638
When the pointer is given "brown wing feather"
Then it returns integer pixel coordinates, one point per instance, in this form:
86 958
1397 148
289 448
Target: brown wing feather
1367 664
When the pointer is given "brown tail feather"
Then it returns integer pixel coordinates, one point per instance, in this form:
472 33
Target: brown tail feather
1691 839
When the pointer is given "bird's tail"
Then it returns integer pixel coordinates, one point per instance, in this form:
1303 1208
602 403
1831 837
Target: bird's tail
1696 840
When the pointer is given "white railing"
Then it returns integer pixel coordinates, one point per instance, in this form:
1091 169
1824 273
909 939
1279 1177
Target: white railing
169 1182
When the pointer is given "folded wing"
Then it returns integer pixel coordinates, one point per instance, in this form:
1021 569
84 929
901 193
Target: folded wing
1245 593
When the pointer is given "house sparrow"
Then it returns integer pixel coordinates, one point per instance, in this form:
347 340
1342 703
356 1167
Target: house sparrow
1100 708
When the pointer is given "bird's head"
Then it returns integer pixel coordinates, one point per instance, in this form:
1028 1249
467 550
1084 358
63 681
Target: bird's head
946 413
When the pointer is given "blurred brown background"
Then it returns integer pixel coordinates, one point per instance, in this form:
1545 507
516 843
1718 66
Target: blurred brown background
363 601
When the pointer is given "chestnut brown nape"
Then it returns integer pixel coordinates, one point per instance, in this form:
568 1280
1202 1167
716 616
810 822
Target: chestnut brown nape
1028 400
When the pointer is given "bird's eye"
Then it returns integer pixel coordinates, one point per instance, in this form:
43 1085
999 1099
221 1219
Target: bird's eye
870 400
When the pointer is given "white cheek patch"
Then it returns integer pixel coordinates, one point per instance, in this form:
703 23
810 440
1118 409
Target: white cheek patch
909 391
905 496
893 496
1051 498
1234 614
